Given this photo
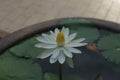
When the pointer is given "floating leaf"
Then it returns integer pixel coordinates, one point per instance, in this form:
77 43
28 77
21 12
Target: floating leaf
89 32
83 27
69 61
26 49
13 68
50 76
105 32
112 55
111 45
109 42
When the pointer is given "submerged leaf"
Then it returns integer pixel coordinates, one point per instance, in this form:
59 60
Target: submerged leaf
13 68
69 61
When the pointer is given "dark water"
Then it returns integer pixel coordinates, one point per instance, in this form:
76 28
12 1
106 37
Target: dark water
86 67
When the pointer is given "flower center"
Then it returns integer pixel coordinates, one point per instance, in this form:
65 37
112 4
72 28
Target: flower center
60 39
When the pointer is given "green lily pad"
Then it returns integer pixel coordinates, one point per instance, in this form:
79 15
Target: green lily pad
111 46
112 55
13 68
26 49
50 76
90 33
109 42
83 27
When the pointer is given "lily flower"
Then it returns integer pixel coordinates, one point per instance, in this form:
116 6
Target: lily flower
59 45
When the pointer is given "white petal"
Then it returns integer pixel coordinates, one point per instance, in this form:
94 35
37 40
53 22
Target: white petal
41 39
61 58
47 46
45 54
52 39
67 53
78 40
56 31
53 35
38 45
75 44
65 31
71 37
55 53
74 50
45 36
53 60
49 38
46 39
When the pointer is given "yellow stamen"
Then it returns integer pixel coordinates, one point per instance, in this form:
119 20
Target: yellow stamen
60 39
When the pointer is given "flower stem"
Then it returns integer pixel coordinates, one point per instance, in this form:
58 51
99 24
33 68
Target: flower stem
60 71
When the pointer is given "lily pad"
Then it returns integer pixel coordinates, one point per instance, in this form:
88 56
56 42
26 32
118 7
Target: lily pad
83 27
90 33
13 68
111 46
112 55
26 49
109 42
50 76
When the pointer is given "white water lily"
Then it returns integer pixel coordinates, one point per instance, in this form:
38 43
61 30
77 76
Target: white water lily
59 45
